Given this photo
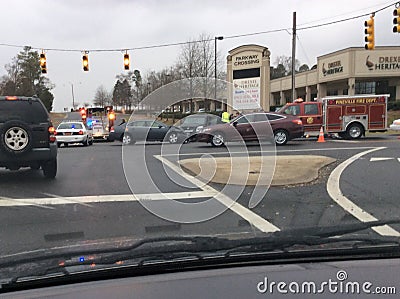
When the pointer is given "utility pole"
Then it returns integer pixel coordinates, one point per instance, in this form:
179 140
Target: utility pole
294 57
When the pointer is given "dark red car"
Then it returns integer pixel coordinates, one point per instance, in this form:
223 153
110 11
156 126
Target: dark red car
254 127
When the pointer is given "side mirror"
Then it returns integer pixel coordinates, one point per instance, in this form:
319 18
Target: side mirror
234 123
160 126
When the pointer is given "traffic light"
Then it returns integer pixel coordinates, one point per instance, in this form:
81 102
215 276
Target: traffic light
369 31
83 113
43 66
126 61
396 20
111 116
85 62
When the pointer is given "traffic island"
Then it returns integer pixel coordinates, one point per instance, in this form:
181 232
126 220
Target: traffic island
251 171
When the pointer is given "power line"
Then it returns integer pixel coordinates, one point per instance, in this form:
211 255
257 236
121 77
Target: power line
199 41
347 19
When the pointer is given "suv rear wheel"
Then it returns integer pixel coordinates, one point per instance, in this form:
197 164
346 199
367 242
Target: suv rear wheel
16 138
50 169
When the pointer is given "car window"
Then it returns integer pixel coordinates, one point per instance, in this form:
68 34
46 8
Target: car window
31 112
274 117
140 123
311 109
156 124
242 120
292 110
193 121
261 117
214 120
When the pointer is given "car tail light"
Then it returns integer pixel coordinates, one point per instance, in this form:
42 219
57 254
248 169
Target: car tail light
297 122
80 132
11 98
52 134
112 130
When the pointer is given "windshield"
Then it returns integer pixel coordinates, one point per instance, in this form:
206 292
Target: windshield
175 181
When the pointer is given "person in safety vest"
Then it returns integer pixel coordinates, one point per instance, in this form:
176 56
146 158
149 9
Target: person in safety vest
225 117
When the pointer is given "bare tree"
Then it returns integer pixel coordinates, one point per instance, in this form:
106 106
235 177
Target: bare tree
102 97
197 59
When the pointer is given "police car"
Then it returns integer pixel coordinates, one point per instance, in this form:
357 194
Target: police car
69 132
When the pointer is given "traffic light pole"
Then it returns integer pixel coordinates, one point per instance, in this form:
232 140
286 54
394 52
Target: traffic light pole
294 58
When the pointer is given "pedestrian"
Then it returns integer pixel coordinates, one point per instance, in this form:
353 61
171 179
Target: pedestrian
225 117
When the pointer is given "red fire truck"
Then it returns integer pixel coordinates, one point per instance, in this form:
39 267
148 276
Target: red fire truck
349 116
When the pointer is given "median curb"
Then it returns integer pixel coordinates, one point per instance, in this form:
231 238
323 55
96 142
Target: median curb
260 171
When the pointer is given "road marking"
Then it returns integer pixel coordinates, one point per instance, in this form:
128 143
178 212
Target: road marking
380 159
45 202
66 198
10 202
333 188
240 210
270 151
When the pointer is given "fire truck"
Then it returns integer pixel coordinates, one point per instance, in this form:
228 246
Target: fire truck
99 119
348 116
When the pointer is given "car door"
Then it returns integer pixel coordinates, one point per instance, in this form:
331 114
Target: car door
244 127
261 126
311 117
138 130
157 131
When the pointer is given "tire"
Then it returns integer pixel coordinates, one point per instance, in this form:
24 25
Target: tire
16 138
354 131
86 142
172 137
90 142
50 169
281 137
217 139
128 140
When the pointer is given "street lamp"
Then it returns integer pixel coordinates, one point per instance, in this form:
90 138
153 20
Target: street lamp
73 97
215 64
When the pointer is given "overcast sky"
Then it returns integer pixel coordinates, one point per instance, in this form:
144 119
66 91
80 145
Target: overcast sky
101 24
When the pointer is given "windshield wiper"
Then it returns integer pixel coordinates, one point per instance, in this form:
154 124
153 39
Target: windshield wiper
175 247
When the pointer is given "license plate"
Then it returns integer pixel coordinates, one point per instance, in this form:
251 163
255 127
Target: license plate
68 133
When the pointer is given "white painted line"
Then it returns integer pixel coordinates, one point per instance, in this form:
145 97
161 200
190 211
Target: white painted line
66 198
344 141
11 202
46 202
398 159
277 151
240 210
377 159
336 194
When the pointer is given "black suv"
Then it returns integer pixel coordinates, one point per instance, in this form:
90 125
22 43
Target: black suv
27 136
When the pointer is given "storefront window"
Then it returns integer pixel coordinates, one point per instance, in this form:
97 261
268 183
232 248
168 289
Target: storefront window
365 87
332 93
